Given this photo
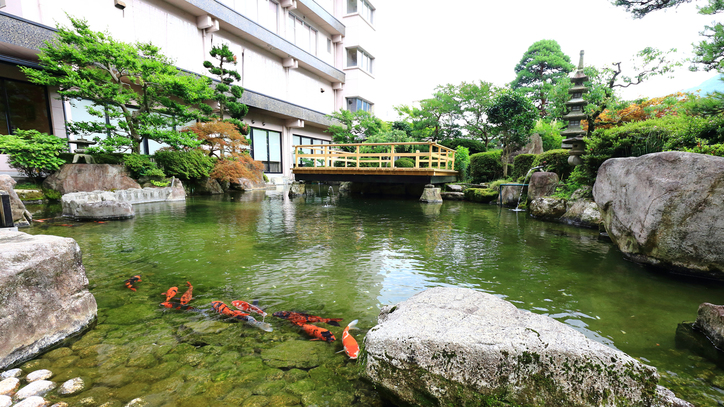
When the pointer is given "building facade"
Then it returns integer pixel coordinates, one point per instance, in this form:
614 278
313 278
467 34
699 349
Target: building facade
299 60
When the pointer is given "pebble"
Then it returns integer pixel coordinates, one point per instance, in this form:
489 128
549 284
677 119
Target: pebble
61 404
136 403
34 401
37 388
6 401
42 374
11 373
72 386
9 386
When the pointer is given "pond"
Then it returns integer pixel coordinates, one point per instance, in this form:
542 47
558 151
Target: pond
343 257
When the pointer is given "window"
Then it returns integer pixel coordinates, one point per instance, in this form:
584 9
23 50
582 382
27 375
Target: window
329 46
363 7
360 59
298 140
302 34
313 41
266 146
351 6
270 15
575 108
23 106
355 104
574 123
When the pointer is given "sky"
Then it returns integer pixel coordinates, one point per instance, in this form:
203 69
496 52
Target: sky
428 43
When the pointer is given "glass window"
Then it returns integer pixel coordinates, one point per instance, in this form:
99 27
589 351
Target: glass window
27 107
351 6
291 22
367 11
271 15
351 57
266 146
259 145
313 41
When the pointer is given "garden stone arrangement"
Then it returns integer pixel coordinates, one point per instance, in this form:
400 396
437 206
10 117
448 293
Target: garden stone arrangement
477 347
29 390
44 292
21 216
664 209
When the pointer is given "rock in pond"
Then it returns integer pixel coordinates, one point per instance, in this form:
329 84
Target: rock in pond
9 386
542 184
6 401
17 208
582 213
71 386
296 354
431 194
100 205
44 292
42 374
478 348
34 401
37 388
547 207
11 373
664 209
710 321
89 177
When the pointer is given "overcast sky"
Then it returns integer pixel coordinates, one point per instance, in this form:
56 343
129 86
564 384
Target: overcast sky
427 43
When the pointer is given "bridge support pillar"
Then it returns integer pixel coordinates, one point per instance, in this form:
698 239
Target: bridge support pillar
431 194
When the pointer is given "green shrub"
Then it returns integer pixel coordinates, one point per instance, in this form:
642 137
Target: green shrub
462 162
578 179
714 149
266 179
486 166
109 158
473 146
554 161
141 166
52 194
550 133
482 195
34 154
185 165
522 164
404 162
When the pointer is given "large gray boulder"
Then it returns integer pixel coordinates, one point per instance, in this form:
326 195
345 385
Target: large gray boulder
665 209
582 213
542 184
547 208
710 321
89 177
476 348
20 214
510 195
44 295
97 205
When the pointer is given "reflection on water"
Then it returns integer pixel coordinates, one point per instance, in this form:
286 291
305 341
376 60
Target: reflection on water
347 257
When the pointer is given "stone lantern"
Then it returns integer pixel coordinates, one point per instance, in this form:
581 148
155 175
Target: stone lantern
573 134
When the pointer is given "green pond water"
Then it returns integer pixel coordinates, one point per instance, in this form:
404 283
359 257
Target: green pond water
340 257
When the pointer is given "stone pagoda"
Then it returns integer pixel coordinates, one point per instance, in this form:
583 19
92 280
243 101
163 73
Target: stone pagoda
573 134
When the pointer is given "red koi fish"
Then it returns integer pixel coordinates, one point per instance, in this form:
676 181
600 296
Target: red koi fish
170 293
349 344
222 309
131 281
300 319
245 306
176 305
319 334
187 295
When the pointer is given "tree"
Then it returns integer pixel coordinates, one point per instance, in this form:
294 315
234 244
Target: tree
113 75
226 93
436 118
474 99
539 69
222 137
709 52
354 127
33 153
513 116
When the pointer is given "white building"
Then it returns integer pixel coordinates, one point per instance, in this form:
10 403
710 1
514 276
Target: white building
300 60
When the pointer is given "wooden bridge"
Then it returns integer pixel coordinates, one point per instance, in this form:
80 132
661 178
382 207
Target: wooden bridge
375 162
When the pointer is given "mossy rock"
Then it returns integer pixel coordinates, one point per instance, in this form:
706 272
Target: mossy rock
256 401
206 327
130 314
284 399
297 354
65 362
301 387
168 385
237 396
269 388
481 195
58 353
327 397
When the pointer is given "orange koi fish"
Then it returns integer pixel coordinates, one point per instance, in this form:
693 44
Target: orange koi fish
349 344
170 293
319 334
222 309
176 305
245 306
131 281
187 295
300 319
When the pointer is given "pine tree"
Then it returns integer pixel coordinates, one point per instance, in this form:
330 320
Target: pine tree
226 93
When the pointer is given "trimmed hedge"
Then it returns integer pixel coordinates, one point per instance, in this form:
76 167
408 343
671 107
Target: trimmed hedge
186 165
486 166
482 195
555 161
474 146
522 164
404 162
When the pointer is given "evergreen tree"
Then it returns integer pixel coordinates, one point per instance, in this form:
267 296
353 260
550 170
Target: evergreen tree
538 71
226 93
513 116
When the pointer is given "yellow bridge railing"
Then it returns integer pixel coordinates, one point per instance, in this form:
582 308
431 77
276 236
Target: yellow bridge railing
426 155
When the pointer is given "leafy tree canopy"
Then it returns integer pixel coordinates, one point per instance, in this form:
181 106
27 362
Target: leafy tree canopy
144 95
437 117
226 93
354 127
34 154
513 116
541 66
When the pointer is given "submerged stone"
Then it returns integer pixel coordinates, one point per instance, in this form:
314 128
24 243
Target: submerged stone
207 327
6 401
11 373
37 388
34 401
42 374
71 386
296 354
9 386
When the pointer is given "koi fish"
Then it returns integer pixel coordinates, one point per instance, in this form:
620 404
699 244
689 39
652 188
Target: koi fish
187 295
264 326
176 305
170 293
300 319
41 220
131 281
319 334
245 306
222 309
349 344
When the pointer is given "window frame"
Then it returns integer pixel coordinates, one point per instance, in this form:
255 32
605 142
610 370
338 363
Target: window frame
8 109
267 163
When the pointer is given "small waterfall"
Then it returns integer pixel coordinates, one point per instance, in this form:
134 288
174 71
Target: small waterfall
530 171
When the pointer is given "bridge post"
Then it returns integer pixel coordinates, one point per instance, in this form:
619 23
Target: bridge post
431 194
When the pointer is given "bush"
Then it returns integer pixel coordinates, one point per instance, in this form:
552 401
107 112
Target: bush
232 167
34 154
578 179
108 158
474 146
482 195
141 166
522 164
462 162
404 162
486 166
185 165
714 149
554 161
